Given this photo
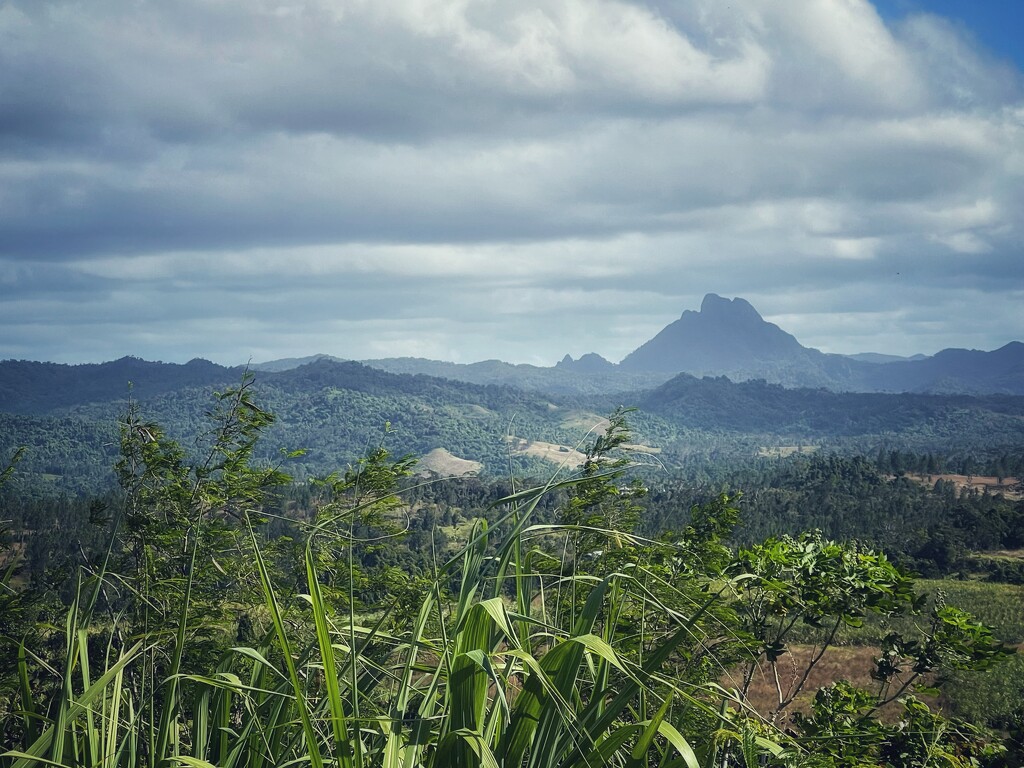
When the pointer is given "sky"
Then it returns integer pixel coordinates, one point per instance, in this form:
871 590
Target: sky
474 179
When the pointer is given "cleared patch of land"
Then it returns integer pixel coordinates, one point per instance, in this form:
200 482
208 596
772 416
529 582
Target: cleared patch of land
556 454
1004 554
639 448
473 411
784 451
585 422
1009 487
442 462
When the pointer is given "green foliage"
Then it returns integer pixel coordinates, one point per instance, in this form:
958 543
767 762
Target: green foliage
928 530
177 540
816 582
997 605
991 698
214 631
841 731
599 501
16 605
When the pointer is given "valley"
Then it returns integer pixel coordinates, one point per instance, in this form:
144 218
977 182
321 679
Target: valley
836 525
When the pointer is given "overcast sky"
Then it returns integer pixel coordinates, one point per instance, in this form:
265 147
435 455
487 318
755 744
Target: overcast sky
472 179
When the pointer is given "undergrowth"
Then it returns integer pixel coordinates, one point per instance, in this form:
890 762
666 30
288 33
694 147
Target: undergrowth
195 639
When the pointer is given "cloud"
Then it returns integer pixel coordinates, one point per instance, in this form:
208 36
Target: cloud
462 179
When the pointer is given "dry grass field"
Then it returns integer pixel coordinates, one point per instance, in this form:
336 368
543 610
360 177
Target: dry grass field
556 454
585 421
852 663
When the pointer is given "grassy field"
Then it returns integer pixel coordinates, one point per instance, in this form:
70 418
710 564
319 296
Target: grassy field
1000 606
852 663
991 697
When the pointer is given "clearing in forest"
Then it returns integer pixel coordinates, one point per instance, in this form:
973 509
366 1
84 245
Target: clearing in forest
442 462
784 451
1010 487
556 454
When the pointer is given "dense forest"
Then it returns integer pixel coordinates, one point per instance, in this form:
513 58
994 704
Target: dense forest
205 594
334 411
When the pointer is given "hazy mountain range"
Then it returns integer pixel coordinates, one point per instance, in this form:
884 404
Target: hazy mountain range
716 380
730 338
724 338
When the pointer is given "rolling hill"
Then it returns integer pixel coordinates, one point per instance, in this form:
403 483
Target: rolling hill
337 411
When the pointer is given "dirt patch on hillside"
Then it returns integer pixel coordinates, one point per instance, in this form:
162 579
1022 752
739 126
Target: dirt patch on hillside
1010 487
638 448
441 462
473 411
1008 554
556 454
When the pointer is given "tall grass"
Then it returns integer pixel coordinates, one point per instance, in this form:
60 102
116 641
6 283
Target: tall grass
488 672
539 645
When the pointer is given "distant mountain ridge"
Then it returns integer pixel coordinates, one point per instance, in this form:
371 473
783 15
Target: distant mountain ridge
335 410
31 387
880 359
725 337
589 375
728 337
288 363
958 371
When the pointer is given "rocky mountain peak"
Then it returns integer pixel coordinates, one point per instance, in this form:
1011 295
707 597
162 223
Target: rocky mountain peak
725 335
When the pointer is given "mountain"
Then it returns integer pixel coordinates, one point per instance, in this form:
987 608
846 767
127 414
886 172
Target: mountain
729 338
589 363
726 337
967 371
723 336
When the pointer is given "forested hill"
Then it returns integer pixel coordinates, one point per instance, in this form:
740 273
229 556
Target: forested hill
756 406
335 411
67 416
32 387
957 370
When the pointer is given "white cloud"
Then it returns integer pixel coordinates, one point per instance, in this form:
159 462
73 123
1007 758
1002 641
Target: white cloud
838 54
504 168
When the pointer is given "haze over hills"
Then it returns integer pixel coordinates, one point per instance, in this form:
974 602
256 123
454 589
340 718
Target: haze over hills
730 338
723 338
336 410
486 414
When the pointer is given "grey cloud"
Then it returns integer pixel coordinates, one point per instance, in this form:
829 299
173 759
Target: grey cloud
449 176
